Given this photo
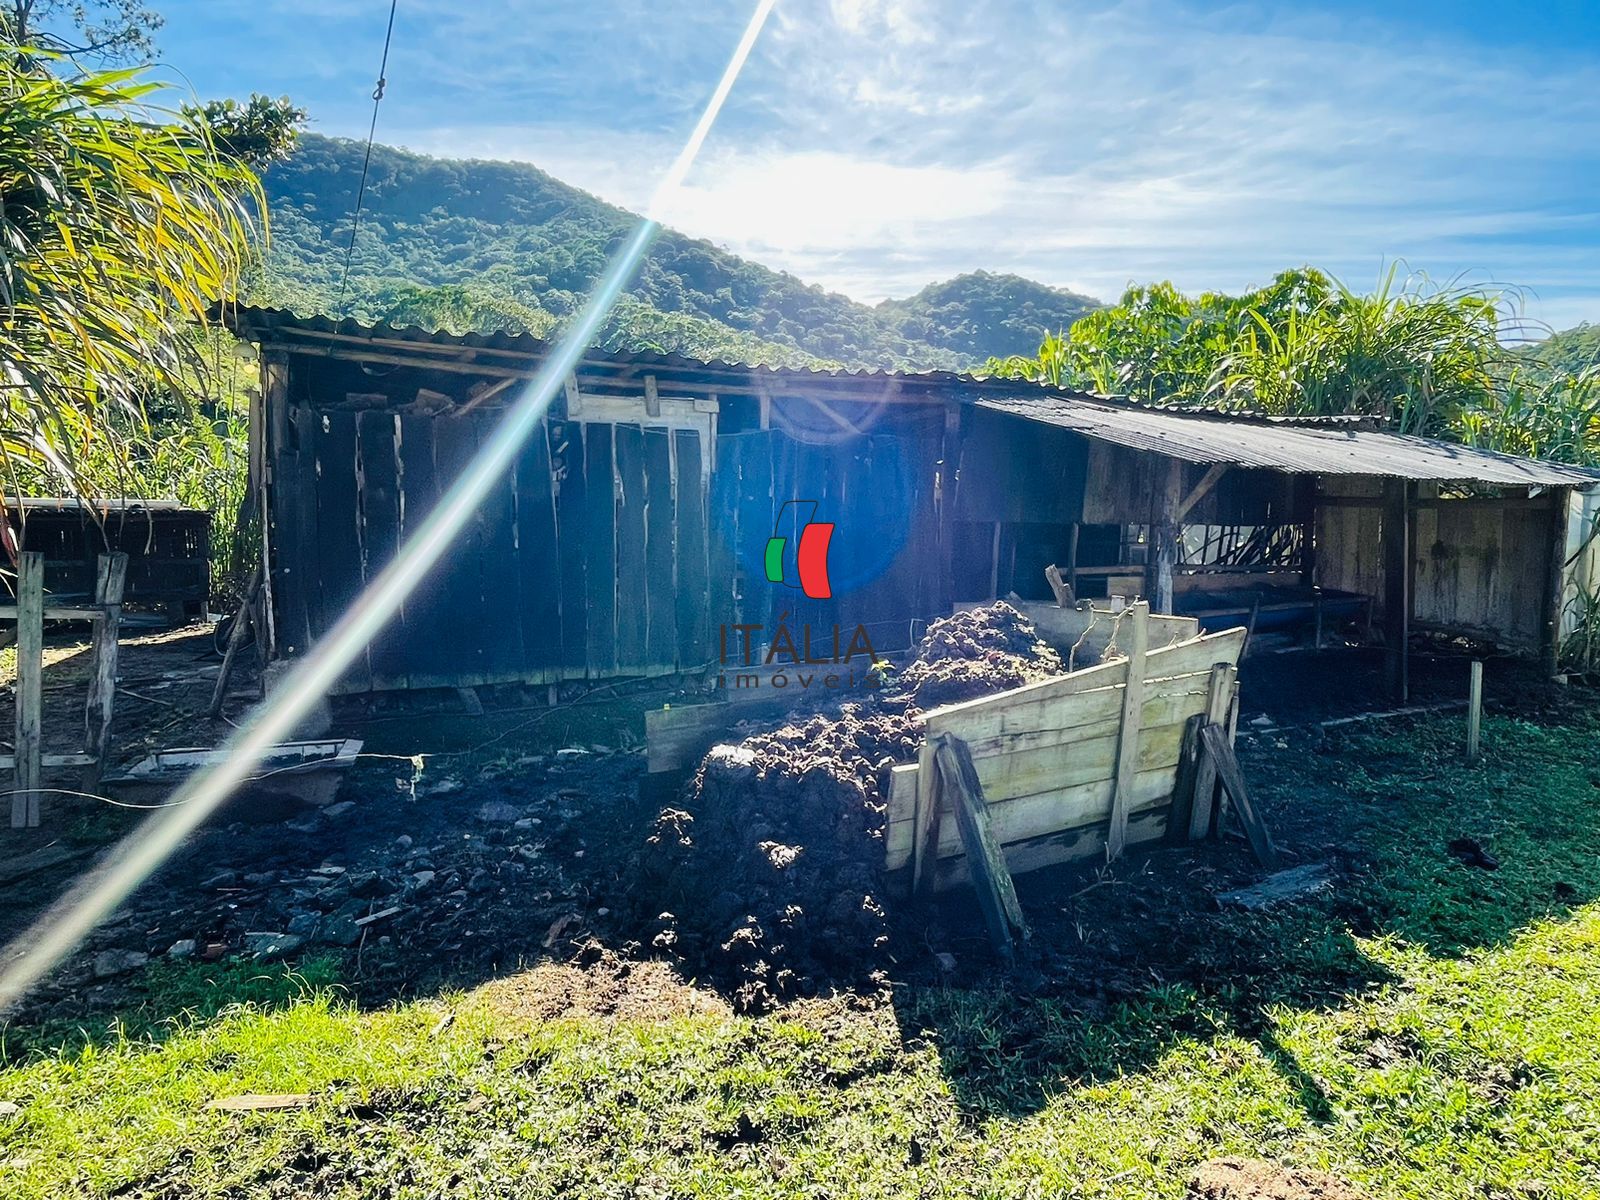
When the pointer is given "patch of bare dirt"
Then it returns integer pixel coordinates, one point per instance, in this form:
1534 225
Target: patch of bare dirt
1258 1179
610 987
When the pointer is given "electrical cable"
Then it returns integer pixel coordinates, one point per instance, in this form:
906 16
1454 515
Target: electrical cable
366 161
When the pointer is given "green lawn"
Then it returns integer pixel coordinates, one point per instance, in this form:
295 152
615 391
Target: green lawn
1433 1031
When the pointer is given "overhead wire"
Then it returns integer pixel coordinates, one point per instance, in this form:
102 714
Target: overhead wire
366 160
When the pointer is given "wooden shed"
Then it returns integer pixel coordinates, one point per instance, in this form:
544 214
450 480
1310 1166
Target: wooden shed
633 533
168 548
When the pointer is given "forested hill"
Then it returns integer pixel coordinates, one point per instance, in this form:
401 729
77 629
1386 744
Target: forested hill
460 244
982 314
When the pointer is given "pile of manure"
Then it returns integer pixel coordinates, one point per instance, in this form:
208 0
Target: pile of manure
768 880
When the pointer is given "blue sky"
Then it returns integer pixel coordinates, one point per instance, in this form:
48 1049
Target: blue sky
876 145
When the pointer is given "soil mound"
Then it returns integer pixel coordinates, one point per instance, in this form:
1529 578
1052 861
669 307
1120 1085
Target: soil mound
1257 1179
769 878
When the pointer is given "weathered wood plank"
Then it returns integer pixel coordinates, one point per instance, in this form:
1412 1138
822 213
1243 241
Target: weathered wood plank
338 551
925 826
659 593
29 689
466 619
110 575
599 549
500 570
997 895
632 580
1184 658
1128 741
1183 785
575 525
1202 805
380 534
425 611
698 607
1083 805
1215 741
539 563
1053 849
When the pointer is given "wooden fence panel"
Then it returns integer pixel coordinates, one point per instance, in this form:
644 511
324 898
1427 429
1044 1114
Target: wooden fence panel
1047 756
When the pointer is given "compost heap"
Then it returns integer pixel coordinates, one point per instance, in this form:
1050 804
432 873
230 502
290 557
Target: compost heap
770 877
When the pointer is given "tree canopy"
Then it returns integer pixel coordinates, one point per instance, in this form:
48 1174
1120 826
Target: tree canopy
1426 359
120 223
101 31
511 229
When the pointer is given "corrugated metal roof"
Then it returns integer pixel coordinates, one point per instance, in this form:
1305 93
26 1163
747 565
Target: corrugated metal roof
1327 446
254 322
1284 446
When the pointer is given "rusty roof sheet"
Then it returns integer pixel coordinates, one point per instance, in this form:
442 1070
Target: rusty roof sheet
1285 446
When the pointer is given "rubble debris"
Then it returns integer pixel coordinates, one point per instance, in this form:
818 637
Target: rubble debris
118 962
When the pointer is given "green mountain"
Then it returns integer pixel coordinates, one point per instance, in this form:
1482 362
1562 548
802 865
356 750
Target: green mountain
472 244
982 314
1569 351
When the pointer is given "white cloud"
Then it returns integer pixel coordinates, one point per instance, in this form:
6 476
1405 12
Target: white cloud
874 145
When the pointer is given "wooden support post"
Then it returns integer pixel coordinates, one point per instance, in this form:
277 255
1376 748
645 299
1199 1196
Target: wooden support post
1201 490
1250 626
1215 742
1306 502
1474 709
994 562
1316 605
30 689
1555 582
1164 533
925 826
110 575
1128 738
1181 814
1219 699
1058 586
986 862
243 620
1397 586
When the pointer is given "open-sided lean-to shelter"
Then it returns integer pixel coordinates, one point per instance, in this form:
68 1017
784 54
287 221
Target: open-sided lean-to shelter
633 527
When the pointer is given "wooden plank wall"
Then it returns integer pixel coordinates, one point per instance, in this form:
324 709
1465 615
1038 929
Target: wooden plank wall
607 550
572 568
1480 564
1046 756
